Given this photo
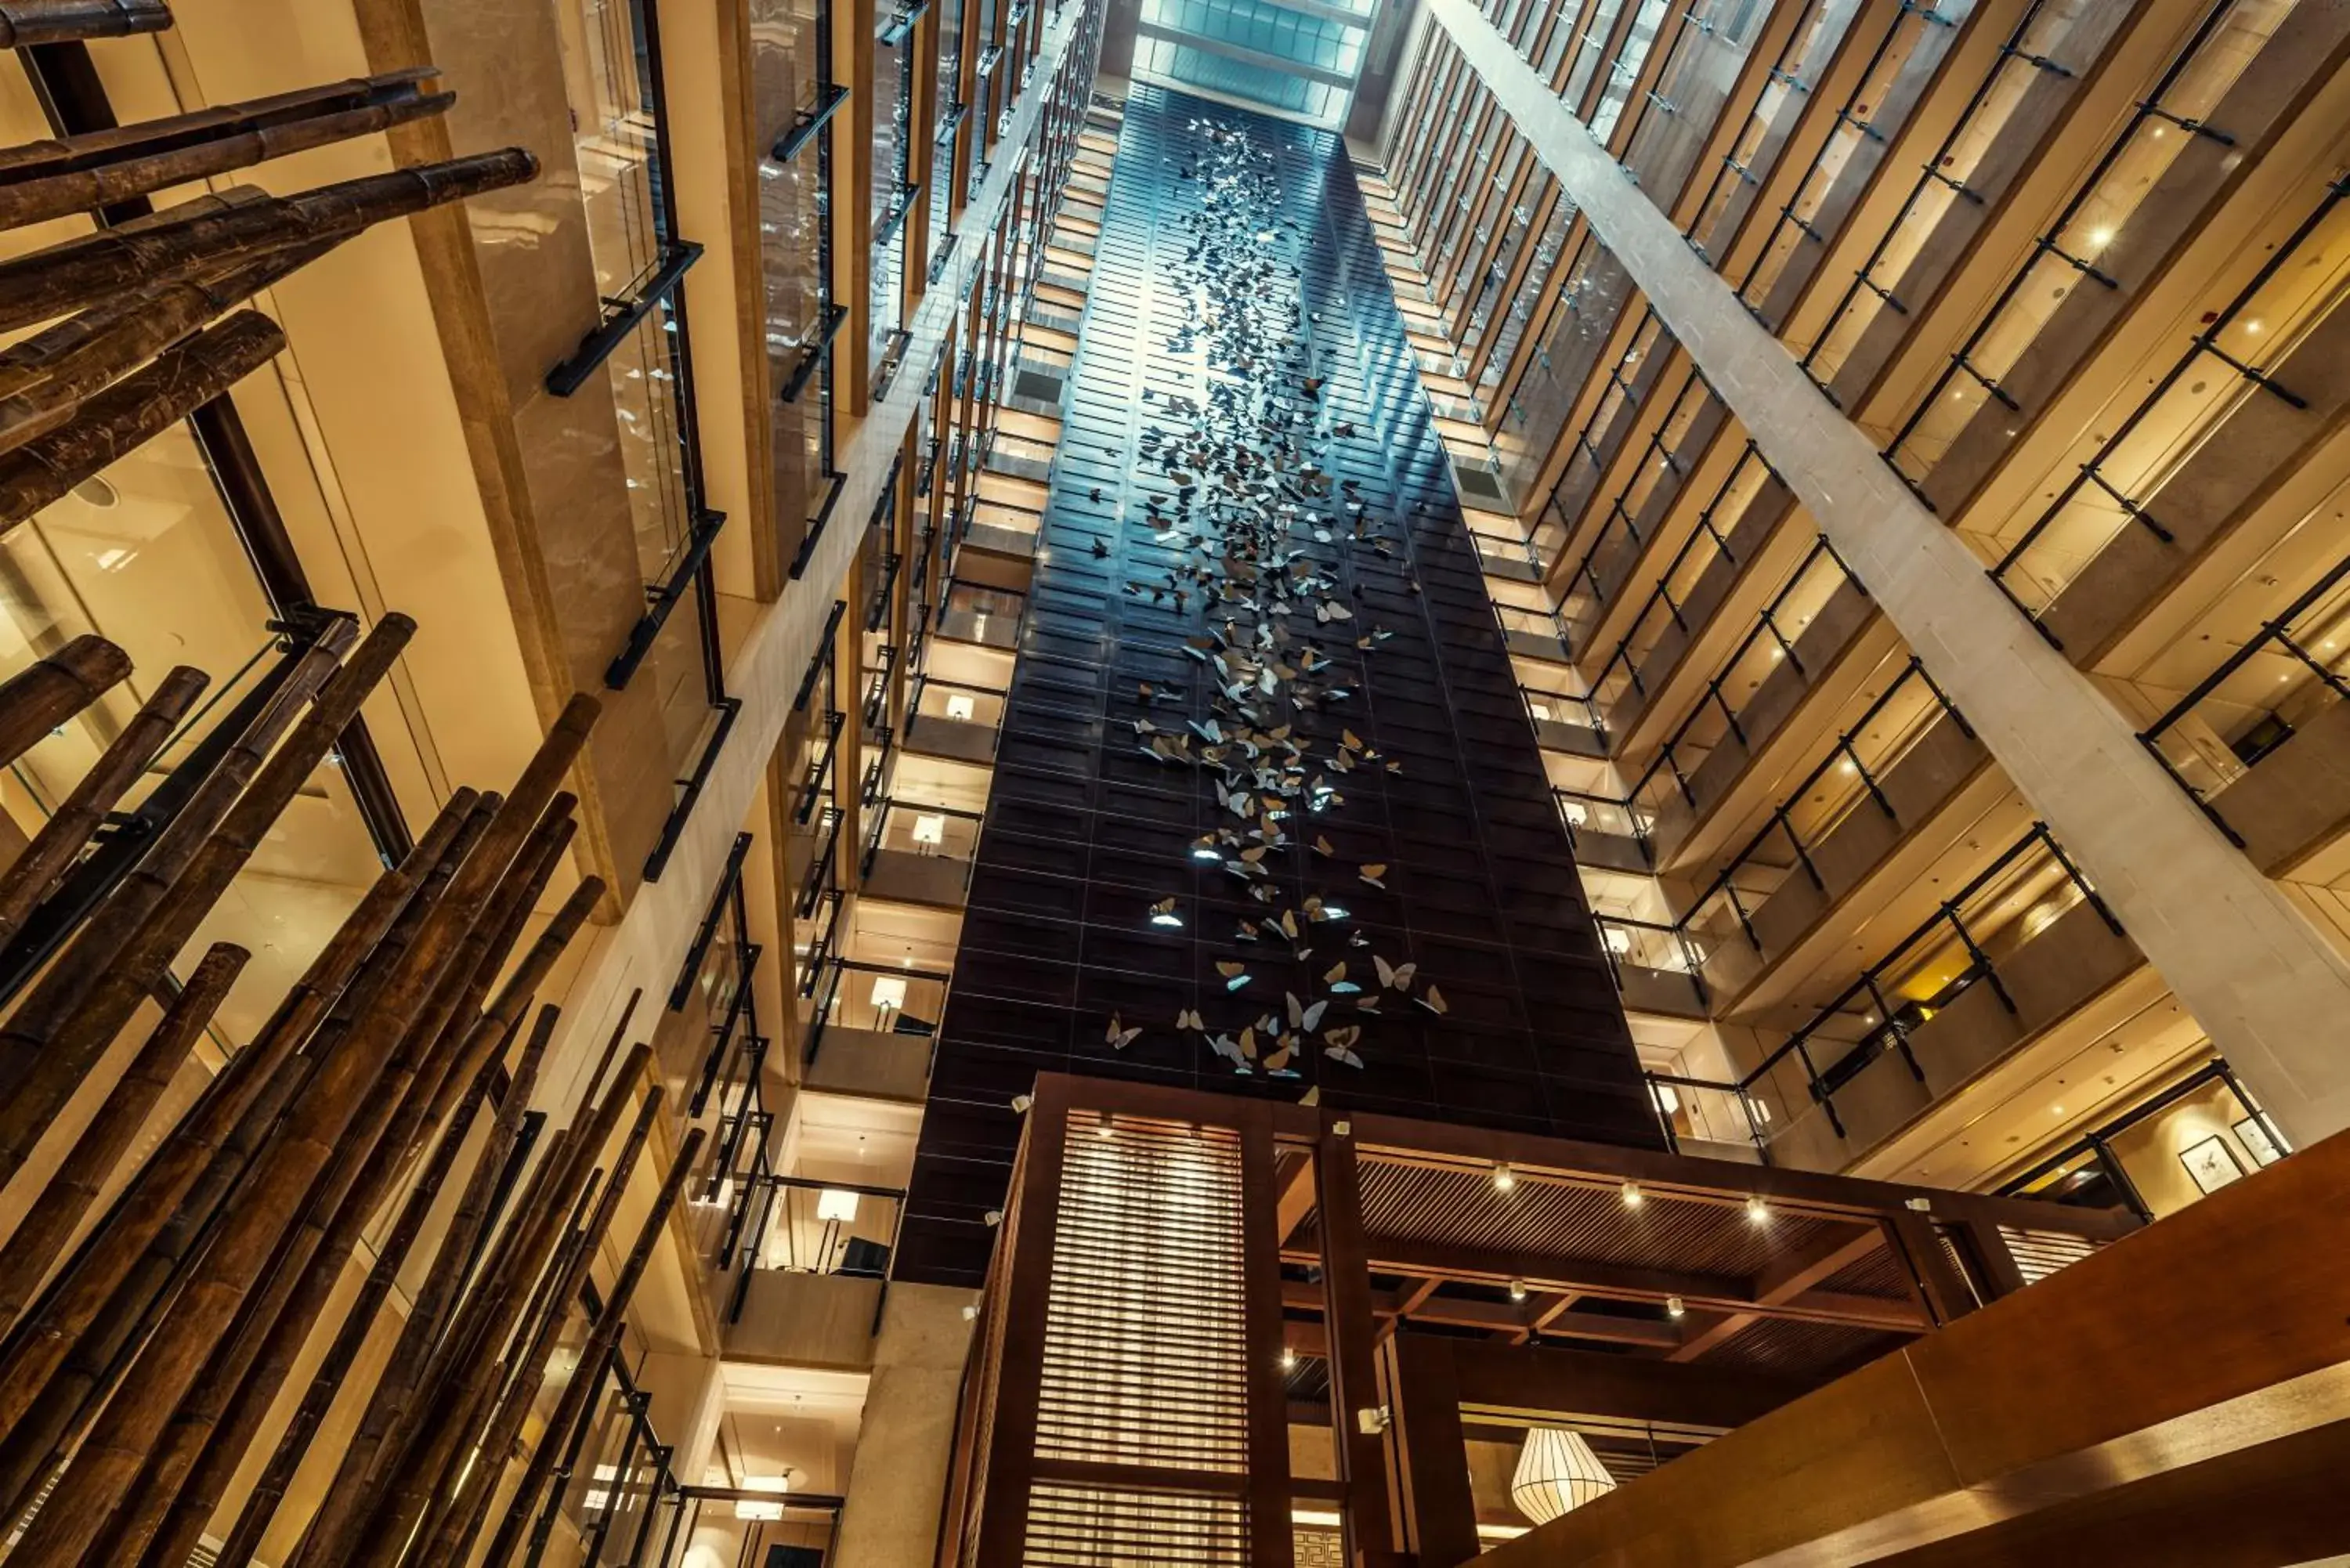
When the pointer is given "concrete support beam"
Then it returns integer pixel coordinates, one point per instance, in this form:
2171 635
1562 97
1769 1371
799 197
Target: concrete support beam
2256 975
905 1439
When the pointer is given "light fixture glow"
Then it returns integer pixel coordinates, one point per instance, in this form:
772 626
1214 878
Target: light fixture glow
1673 1307
1557 1471
1504 1177
889 992
760 1507
1288 1359
837 1203
960 707
1757 1210
1517 1290
1633 1196
929 829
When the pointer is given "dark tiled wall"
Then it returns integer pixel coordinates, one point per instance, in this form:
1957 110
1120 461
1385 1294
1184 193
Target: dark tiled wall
1086 832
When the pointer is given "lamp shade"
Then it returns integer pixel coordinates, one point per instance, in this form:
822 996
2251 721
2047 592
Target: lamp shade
837 1203
1557 1471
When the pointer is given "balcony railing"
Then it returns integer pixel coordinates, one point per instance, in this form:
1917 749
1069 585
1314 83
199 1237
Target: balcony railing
797 1225
2283 680
886 999
2026 890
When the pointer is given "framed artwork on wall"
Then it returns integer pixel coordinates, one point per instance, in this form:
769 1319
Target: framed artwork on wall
2211 1163
2253 1134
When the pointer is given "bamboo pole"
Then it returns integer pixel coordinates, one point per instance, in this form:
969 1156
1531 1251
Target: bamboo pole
218 1420
61 278
481 1396
261 1502
46 381
455 1543
211 1119
132 968
436 1303
116 165
435 1502
94 1484
36 701
134 412
25 23
78 816
60 1354
46 1228
61 987
416 1417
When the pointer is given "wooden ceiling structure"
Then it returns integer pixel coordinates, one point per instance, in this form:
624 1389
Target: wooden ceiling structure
1412 1283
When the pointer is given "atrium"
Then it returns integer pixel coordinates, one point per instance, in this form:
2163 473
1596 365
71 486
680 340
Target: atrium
1233 784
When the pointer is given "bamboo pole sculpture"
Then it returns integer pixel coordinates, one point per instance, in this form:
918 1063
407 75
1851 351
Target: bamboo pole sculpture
336 1100
219 1417
132 346
57 1360
453 1545
137 1368
170 248
44 180
85 806
261 1503
25 23
45 696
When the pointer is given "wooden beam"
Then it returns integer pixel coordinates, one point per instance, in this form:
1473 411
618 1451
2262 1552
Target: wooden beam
1439 1510
1540 1271
1535 1380
1347 1317
2095 1399
1514 1319
1295 1179
1270 1542
1789 1277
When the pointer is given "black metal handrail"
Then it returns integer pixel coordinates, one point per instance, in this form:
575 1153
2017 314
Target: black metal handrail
2204 341
622 318
2148 108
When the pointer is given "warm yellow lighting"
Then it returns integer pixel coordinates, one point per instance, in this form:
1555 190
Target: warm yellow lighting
1633 1196
1757 1210
837 1203
1557 1471
1668 1100
1288 1360
960 707
929 829
752 1508
889 992
1504 1176
1673 1307
1517 1290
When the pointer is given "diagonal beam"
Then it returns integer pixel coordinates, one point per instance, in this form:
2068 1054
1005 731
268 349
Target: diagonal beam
1552 1275
2256 975
1789 1278
1296 1175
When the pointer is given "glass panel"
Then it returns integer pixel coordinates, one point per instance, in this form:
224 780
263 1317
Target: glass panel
613 106
146 556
